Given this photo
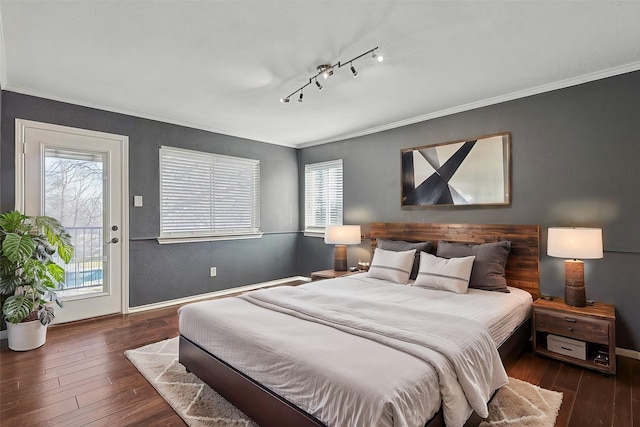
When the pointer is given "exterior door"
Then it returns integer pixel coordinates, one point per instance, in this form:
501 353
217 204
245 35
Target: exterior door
79 177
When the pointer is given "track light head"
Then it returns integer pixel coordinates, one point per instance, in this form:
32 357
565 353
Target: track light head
377 56
300 97
283 100
319 85
354 72
326 70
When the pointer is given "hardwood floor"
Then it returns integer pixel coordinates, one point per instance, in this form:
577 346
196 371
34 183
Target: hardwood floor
589 398
81 377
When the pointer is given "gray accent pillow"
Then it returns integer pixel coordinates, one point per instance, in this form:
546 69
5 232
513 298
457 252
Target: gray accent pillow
402 246
488 271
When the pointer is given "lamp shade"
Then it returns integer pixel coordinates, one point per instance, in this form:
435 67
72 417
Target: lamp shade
342 234
575 243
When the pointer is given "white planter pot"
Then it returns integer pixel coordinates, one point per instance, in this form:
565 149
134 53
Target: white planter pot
26 336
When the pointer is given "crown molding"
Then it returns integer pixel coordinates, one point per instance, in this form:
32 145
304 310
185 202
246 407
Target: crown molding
69 100
574 81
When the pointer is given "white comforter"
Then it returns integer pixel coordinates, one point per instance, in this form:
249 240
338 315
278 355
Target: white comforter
350 380
472 369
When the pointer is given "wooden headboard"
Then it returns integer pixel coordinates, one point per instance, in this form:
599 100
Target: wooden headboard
523 264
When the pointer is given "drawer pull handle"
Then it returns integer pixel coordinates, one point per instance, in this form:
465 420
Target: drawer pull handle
570 329
569 319
565 348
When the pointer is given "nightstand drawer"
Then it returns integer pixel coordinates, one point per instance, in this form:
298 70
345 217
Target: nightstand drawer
582 328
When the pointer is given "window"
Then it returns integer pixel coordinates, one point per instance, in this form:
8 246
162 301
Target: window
204 196
322 195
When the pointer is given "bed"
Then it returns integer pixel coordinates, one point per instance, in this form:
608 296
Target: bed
205 353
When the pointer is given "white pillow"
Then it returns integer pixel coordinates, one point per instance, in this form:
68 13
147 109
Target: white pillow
447 274
392 266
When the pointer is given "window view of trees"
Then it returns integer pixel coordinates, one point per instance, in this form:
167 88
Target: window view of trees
74 195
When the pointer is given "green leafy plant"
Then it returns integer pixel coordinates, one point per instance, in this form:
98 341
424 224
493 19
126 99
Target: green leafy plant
28 272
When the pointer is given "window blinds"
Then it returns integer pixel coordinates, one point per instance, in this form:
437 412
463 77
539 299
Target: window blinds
323 195
204 194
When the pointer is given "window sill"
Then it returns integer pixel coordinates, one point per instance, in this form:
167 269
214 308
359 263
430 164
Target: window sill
171 240
314 234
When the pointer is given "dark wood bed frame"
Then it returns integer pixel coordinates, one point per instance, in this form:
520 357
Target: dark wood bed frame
270 410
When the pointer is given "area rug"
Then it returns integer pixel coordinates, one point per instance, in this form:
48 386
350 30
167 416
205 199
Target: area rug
196 403
516 404
524 405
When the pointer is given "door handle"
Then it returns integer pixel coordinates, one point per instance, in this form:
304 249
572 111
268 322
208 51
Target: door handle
114 240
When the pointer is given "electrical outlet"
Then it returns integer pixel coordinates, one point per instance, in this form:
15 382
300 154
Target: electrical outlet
213 271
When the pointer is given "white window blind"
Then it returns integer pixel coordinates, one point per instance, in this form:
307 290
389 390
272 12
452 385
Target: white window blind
204 194
322 195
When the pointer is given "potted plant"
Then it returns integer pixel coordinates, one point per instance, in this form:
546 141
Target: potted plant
29 275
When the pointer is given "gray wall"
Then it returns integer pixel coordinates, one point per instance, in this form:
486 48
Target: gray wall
574 163
161 272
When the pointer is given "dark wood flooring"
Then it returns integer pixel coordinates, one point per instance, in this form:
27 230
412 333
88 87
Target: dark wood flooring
81 377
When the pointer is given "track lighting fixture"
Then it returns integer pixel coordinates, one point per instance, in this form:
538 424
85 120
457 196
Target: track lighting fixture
326 71
354 72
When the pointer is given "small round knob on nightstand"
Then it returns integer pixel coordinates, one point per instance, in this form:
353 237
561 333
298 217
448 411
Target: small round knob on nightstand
570 329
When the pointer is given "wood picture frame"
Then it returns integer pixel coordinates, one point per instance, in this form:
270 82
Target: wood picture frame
475 171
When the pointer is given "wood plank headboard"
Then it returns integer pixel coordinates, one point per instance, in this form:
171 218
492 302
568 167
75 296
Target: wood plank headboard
523 264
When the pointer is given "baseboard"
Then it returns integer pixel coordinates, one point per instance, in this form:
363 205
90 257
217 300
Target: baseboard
628 353
223 292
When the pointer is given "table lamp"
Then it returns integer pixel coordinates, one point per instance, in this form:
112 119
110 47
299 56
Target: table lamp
575 244
341 235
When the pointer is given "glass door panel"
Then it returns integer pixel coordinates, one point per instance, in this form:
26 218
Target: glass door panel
74 189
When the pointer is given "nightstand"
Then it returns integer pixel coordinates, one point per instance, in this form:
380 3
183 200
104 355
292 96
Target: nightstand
584 336
330 274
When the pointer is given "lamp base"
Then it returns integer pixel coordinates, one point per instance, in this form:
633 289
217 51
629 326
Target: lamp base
575 296
340 258
574 292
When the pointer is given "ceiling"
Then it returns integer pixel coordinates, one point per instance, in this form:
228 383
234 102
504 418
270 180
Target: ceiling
223 66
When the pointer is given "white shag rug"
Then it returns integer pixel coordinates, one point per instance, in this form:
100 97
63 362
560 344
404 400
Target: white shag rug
522 404
516 404
196 403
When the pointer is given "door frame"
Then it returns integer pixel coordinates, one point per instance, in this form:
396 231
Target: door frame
22 125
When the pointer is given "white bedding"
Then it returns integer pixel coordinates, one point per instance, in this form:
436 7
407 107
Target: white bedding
343 379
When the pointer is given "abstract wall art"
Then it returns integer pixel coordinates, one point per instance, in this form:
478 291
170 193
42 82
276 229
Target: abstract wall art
471 172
